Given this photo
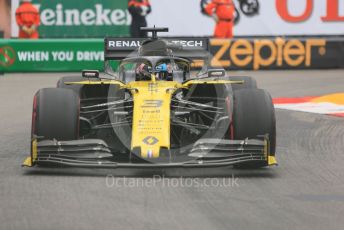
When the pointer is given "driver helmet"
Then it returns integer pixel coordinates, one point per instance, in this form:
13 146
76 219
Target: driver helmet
143 71
164 71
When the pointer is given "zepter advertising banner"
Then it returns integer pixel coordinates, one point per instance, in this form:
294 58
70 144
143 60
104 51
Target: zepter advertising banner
78 19
253 17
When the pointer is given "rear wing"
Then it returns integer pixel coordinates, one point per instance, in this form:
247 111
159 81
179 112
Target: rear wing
193 48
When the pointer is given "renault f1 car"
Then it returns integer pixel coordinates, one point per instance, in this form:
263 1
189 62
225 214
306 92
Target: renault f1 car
152 113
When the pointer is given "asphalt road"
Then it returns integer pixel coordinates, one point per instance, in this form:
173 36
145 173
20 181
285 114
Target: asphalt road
306 191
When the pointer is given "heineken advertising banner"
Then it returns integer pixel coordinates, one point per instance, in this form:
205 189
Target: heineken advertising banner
98 18
77 19
65 55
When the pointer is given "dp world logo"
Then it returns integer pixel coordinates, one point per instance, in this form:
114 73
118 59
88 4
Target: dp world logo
7 56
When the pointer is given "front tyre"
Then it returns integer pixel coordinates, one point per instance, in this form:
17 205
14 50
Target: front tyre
254 115
56 114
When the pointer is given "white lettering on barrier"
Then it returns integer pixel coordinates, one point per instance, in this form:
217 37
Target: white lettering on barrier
63 56
72 17
33 56
102 15
59 15
118 17
88 17
48 17
90 56
40 56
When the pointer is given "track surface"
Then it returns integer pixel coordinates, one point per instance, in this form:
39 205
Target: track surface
305 192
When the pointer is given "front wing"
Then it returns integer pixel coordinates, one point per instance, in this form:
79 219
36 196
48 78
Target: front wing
95 153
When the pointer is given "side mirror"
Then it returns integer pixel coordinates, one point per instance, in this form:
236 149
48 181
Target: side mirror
90 73
216 73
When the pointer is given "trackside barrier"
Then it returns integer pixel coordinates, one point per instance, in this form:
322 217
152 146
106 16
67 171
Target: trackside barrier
278 53
68 55
51 55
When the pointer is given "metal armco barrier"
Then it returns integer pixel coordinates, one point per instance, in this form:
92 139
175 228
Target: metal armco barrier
66 55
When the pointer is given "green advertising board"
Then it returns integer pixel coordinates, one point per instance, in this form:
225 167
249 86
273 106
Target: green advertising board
51 55
87 19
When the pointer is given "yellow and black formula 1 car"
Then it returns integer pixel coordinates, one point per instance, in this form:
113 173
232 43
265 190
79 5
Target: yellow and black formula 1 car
152 113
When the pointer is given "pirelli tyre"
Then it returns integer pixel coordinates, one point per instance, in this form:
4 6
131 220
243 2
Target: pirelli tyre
56 114
249 83
254 115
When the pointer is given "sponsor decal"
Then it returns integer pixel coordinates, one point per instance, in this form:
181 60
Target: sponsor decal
124 44
261 53
332 104
150 153
152 104
132 43
51 55
331 6
150 140
96 15
185 43
153 87
7 56
71 19
60 56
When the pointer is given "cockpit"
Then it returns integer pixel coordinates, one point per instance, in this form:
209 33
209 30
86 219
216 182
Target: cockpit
161 68
167 59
